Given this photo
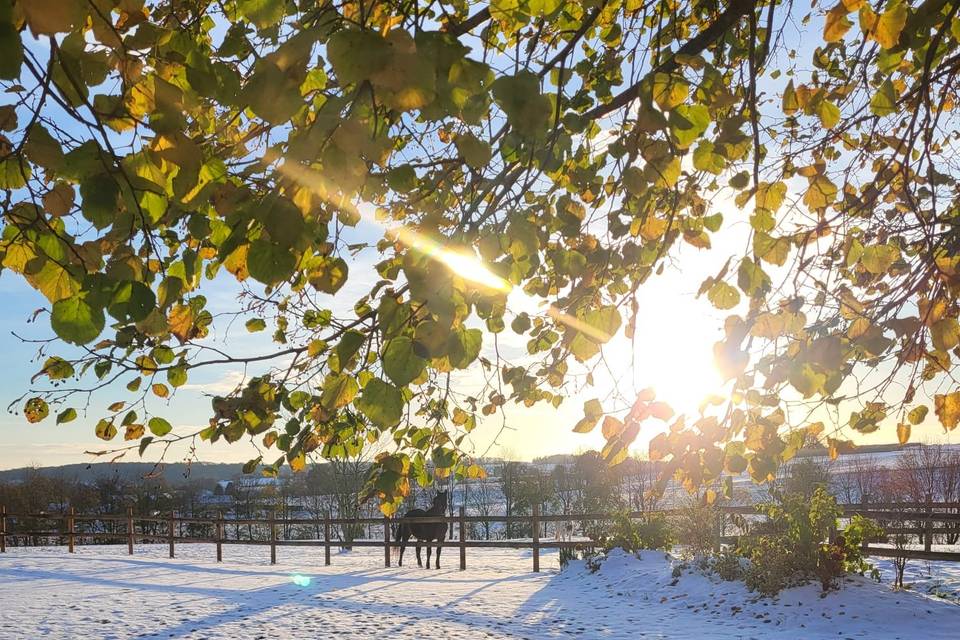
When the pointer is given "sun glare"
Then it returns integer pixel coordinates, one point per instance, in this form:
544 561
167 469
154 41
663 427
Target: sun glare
672 351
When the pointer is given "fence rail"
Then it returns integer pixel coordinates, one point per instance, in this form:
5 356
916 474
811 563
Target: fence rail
921 515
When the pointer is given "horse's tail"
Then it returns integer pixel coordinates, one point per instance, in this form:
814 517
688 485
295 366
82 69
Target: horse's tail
397 530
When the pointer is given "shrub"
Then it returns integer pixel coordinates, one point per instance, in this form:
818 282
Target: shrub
650 532
566 555
727 565
794 548
860 531
695 527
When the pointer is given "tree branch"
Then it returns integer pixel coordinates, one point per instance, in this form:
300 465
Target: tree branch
694 46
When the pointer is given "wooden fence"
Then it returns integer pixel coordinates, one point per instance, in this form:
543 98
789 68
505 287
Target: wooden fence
903 518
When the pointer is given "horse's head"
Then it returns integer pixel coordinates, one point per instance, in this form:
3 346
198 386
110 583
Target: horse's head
440 500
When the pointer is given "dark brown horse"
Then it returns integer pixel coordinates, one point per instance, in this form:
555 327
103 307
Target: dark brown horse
423 531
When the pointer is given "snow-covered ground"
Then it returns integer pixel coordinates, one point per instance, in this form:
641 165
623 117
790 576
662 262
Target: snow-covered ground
100 592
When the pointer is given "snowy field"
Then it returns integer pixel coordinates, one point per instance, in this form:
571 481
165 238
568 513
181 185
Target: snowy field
100 592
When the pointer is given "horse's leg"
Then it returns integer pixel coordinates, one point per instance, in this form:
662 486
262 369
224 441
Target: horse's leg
402 539
443 535
429 549
419 561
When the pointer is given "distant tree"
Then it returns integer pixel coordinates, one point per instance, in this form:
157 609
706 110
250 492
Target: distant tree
482 499
862 480
805 476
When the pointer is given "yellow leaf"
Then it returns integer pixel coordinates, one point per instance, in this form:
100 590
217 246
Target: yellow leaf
298 462
890 24
611 427
945 334
133 432
160 390
903 433
236 262
947 408
836 24
790 103
836 447
653 228
669 90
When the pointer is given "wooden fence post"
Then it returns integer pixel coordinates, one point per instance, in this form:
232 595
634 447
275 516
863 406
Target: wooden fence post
70 529
536 538
3 529
273 537
170 525
130 531
463 538
326 539
928 526
219 536
386 542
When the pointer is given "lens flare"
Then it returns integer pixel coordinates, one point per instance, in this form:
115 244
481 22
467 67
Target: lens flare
300 581
462 264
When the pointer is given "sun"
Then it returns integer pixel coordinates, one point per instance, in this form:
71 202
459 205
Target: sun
671 352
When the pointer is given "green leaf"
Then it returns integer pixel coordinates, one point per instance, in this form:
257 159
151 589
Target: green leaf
884 101
669 90
463 347
918 414
752 279
100 200
723 296
177 376
105 430
400 363
328 274
270 263
76 321
132 301
528 111
829 114
338 391
475 153
688 122
357 55
67 415
349 345
262 13
381 402
159 427
255 324
878 258
35 410
57 368
272 93
14 173
11 51
43 149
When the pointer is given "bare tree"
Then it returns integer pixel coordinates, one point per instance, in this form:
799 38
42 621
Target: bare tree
862 481
481 500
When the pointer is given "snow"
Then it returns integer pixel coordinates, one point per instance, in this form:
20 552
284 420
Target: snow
100 592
